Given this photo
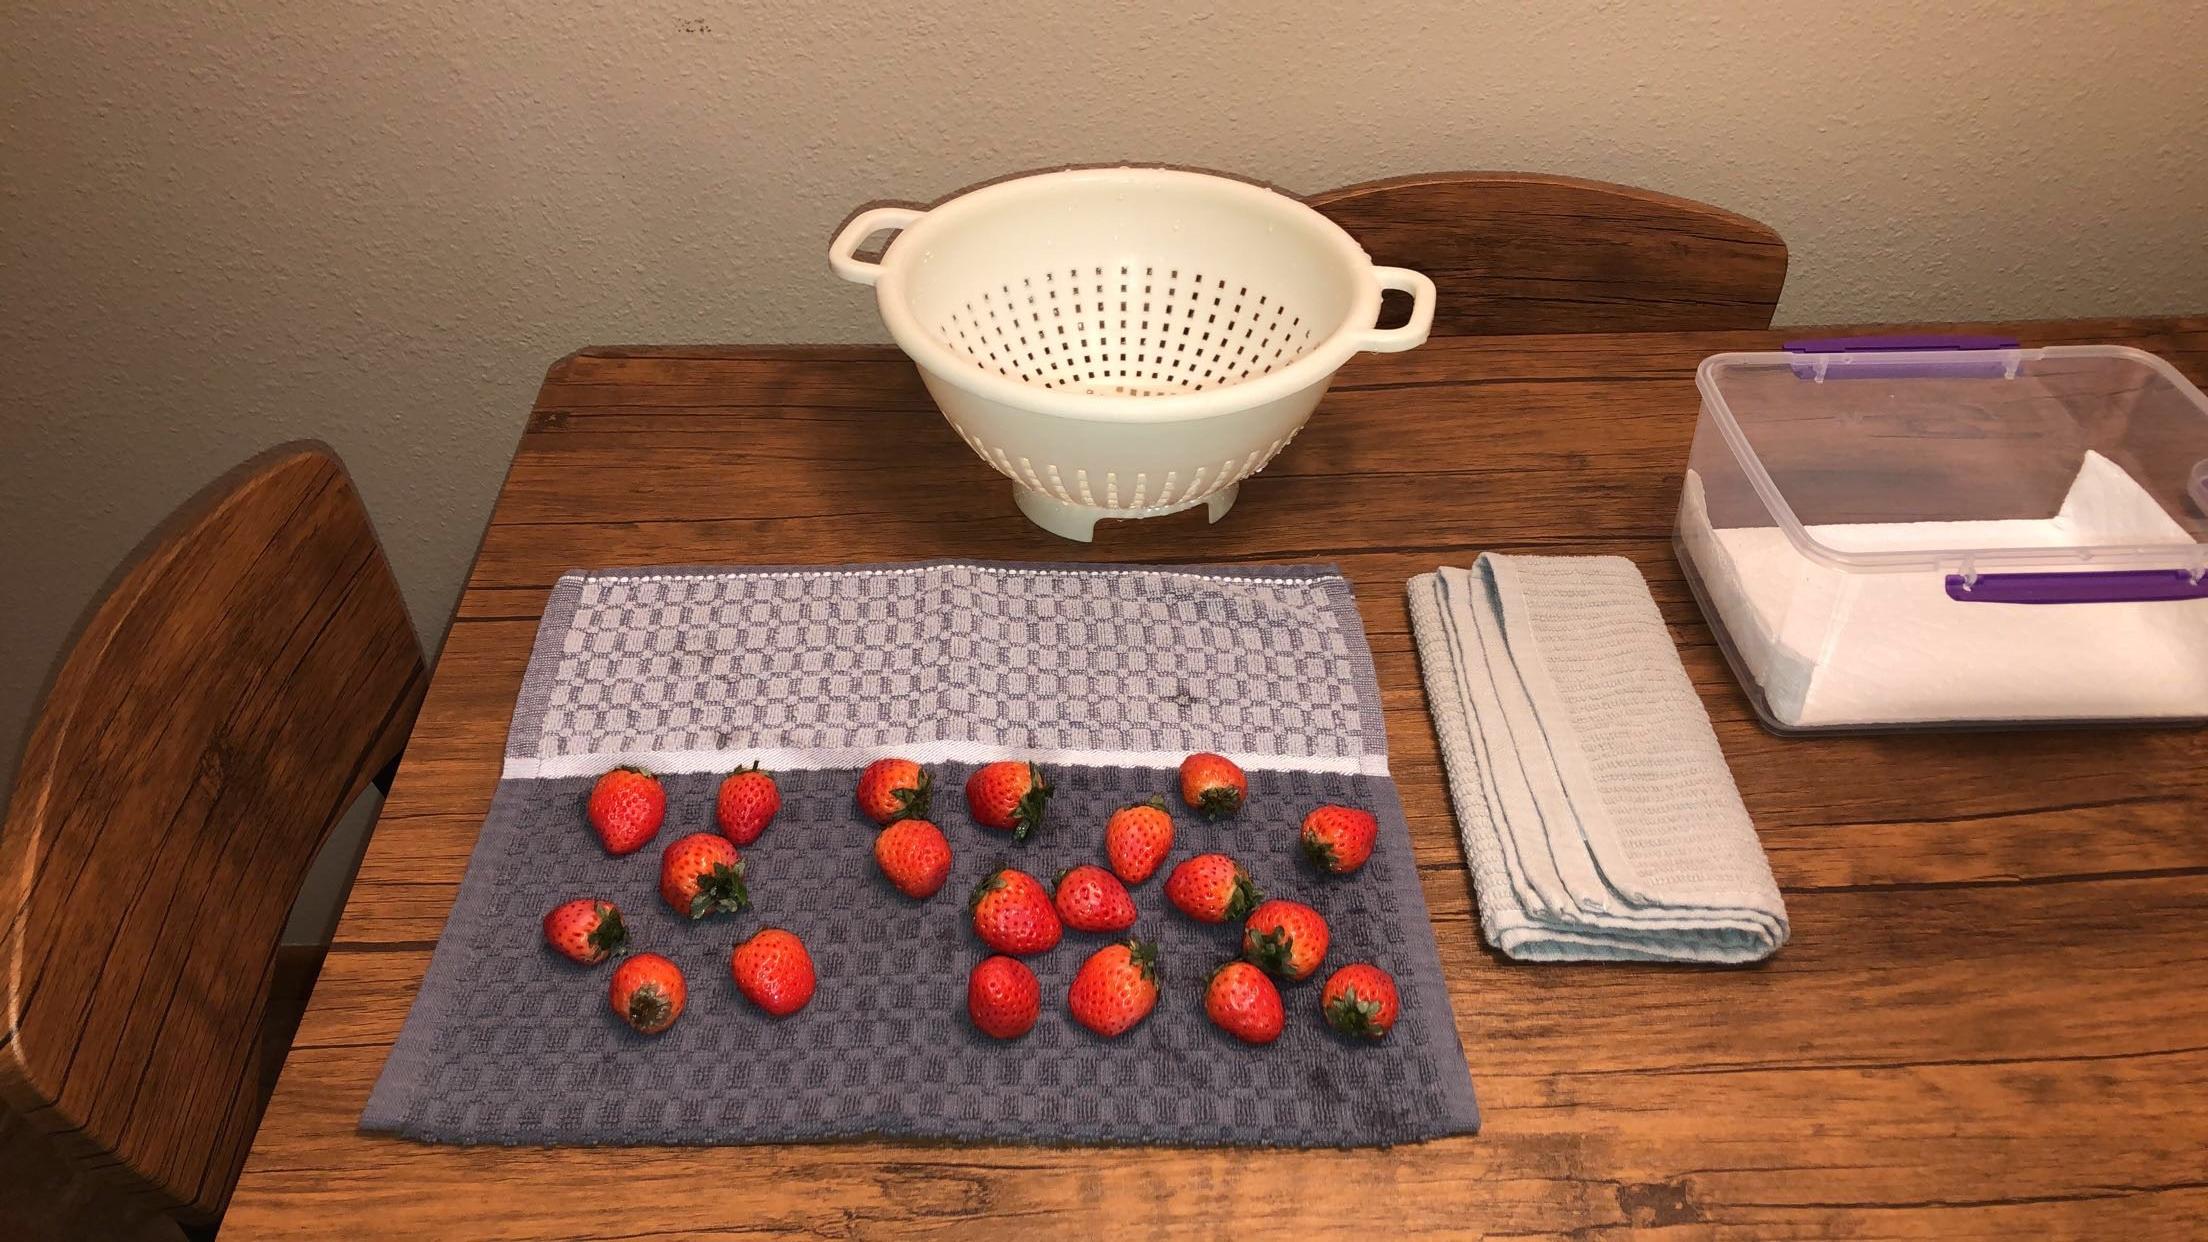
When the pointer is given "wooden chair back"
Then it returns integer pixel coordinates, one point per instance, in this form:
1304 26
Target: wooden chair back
1527 253
250 670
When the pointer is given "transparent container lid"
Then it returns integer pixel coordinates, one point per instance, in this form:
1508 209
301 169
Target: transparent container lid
2074 473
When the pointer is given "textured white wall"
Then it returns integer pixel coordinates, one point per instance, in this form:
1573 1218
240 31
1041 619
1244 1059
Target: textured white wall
228 224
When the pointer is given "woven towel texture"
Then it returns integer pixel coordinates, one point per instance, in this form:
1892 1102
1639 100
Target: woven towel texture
508 1043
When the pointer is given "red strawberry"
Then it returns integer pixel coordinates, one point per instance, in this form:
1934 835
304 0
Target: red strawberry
1089 899
1211 888
1339 838
1213 785
1244 1003
1012 913
1008 795
586 930
1003 998
648 992
1137 838
1359 999
702 874
773 971
1116 988
626 807
1287 938
747 803
915 857
894 789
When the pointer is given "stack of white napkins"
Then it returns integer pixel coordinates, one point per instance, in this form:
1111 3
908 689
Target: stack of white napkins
1598 815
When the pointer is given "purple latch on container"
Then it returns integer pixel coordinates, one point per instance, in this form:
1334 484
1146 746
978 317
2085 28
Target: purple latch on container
1926 361
2116 586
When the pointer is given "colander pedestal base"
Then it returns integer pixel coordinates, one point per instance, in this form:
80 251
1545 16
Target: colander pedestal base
1078 522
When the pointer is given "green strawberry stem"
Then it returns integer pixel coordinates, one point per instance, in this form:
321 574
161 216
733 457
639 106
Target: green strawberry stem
721 891
913 803
1029 813
1321 853
1244 896
1218 802
1353 1015
611 935
649 1007
989 884
1271 951
1144 955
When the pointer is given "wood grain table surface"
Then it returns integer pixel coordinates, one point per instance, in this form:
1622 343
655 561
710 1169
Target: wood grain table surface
1991 1019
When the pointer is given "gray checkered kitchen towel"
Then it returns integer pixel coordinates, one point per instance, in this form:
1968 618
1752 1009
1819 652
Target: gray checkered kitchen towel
1107 675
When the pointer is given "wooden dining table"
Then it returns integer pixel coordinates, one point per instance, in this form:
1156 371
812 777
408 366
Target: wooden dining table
1991 1019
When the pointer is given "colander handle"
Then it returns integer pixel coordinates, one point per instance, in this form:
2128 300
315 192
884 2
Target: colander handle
1413 333
843 253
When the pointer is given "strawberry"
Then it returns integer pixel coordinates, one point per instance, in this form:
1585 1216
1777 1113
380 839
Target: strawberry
702 874
586 930
1359 999
773 971
1211 888
1339 838
1008 795
894 789
626 807
746 804
1116 988
1213 785
1003 998
915 857
1241 1001
1287 938
1089 899
1012 913
1137 838
648 992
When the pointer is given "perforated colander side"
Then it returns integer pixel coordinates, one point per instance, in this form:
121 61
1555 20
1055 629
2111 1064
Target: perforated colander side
1127 330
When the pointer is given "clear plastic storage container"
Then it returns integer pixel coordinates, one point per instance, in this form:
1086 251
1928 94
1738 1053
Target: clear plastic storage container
1948 532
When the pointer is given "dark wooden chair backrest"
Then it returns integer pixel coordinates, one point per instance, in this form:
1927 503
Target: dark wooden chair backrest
1525 253
248 673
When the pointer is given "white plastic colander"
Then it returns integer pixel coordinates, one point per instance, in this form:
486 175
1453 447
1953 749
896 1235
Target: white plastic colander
1126 342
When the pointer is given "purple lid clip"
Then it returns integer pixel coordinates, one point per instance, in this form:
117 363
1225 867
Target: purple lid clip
2114 586
1928 348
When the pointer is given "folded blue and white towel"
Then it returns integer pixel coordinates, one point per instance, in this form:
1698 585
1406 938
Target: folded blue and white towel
1597 813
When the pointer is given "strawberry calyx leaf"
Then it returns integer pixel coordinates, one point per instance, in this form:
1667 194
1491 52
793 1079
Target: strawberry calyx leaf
1273 951
1218 802
912 803
1319 851
989 883
721 891
1028 814
1352 1014
1143 956
650 1007
1243 896
610 936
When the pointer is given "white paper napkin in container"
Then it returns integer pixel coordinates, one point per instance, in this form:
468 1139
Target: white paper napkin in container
1831 648
1596 810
